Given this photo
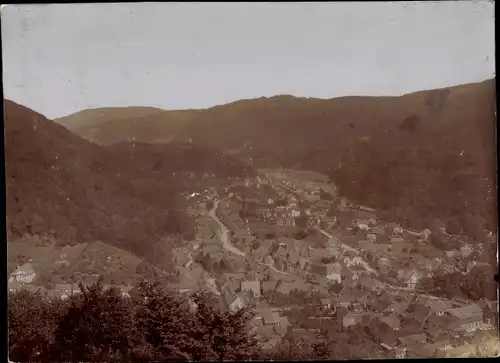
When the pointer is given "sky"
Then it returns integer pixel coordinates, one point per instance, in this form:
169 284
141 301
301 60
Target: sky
63 58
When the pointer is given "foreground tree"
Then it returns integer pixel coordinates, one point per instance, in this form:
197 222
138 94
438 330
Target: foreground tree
98 326
32 323
225 335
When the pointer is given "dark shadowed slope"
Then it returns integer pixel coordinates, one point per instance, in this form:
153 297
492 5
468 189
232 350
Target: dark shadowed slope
171 162
60 184
438 163
428 153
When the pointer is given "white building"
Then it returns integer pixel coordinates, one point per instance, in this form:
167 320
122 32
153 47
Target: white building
334 272
237 304
24 274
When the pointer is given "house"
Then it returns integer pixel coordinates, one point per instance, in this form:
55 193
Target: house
419 351
287 287
269 286
410 277
383 262
468 318
281 327
400 353
370 284
378 231
433 264
334 272
462 351
15 286
293 257
399 308
413 339
333 251
383 334
425 234
237 304
125 291
357 307
402 247
419 312
229 287
326 303
466 251
490 312
377 304
24 274
451 253
345 300
370 246
352 318
316 253
439 307
392 321
251 286
67 290
270 317
363 225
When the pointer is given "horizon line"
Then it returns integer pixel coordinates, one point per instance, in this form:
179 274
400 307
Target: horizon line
261 97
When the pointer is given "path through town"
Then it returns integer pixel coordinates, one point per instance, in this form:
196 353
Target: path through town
226 243
224 231
345 247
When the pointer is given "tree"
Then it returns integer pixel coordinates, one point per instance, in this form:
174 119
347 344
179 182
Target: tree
97 326
31 326
223 335
154 324
164 320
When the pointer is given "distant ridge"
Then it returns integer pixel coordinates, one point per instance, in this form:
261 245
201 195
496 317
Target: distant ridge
398 154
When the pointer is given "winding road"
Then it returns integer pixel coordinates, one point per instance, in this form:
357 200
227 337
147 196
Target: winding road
226 242
224 232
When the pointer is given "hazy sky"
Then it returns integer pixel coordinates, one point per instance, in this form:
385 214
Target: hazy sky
58 59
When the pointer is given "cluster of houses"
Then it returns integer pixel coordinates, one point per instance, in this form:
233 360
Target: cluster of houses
414 326
24 276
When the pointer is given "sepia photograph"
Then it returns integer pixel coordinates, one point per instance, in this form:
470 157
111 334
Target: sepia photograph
250 181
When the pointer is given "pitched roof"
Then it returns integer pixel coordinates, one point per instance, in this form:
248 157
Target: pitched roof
439 305
270 317
465 350
26 268
370 283
412 339
67 287
493 306
420 351
392 321
334 268
382 332
287 287
269 285
465 311
420 312
251 285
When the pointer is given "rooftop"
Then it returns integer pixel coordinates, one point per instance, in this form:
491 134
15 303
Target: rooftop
465 311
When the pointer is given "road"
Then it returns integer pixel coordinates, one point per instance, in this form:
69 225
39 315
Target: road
348 248
226 242
224 232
